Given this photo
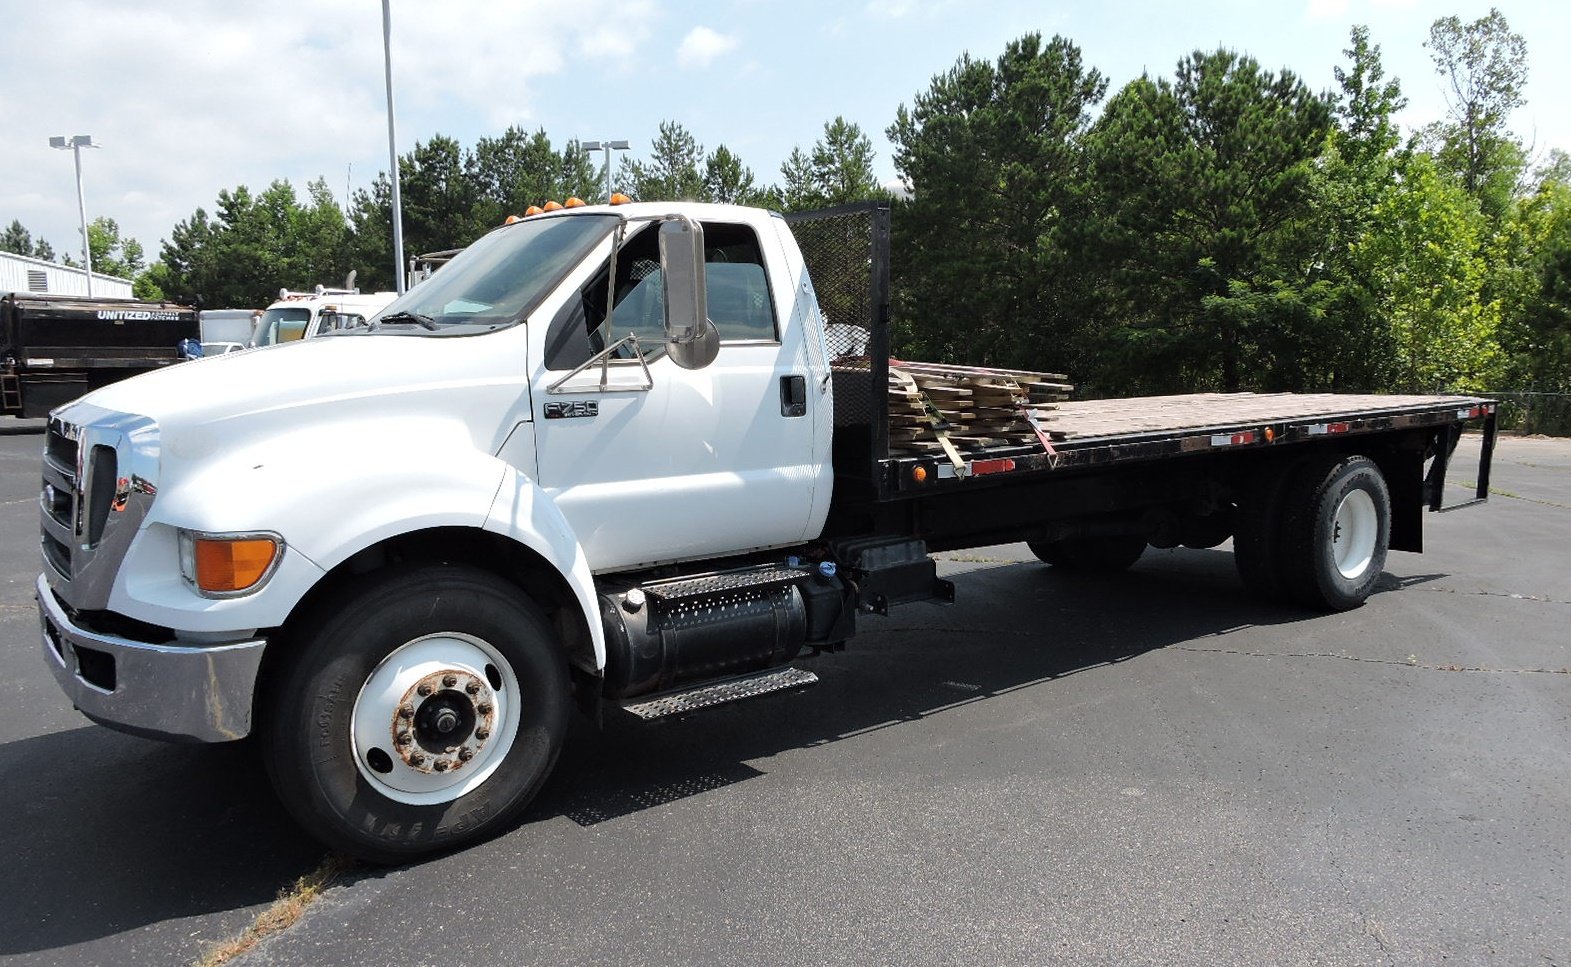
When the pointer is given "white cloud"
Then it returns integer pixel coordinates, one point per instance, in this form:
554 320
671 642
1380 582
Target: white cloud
702 45
192 98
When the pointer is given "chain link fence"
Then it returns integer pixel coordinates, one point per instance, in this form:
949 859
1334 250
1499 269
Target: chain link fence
1531 411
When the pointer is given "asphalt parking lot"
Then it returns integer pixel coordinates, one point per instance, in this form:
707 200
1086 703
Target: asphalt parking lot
1150 769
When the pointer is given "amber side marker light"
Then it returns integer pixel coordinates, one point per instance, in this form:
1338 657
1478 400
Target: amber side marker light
919 474
227 564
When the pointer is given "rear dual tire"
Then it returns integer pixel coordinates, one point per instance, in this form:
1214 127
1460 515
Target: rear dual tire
1315 532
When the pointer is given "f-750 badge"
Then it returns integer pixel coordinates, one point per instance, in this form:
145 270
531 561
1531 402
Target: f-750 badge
562 410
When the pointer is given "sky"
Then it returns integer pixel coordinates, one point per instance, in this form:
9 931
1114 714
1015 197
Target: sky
188 97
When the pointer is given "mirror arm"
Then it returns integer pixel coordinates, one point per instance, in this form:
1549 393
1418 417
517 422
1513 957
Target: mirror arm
603 357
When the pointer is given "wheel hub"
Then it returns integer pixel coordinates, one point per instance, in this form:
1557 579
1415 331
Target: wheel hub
435 719
454 715
1354 532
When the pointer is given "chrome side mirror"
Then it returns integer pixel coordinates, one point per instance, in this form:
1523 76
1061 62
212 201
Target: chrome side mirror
692 341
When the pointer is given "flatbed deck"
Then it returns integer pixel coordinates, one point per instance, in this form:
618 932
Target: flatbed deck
1093 420
1093 433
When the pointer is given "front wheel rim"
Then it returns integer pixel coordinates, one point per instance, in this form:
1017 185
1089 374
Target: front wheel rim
1355 531
435 719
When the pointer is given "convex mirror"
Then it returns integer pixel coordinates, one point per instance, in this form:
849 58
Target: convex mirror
692 341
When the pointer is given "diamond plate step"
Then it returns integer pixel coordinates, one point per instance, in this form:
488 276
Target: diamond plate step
761 579
722 693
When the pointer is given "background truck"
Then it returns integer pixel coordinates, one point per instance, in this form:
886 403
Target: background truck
306 315
227 330
54 348
609 457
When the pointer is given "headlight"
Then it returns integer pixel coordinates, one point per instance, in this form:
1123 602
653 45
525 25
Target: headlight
228 565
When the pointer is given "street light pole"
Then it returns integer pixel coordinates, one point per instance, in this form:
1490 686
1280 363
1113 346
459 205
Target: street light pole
76 143
607 147
392 151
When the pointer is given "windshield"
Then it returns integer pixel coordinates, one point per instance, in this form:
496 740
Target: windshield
501 277
282 325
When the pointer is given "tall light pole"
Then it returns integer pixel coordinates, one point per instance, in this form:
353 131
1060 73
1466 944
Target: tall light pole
607 147
392 151
76 143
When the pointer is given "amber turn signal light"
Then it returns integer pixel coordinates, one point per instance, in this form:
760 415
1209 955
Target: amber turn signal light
218 564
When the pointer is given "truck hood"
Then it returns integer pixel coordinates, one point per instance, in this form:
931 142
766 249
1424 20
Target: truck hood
331 378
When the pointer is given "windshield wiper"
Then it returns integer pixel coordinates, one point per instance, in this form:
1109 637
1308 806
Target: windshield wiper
401 317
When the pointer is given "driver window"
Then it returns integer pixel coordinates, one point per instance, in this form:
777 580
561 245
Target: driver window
737 291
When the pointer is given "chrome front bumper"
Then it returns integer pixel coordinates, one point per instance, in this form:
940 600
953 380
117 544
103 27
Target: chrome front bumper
171 692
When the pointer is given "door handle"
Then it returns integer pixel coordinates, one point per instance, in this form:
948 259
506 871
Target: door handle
793 396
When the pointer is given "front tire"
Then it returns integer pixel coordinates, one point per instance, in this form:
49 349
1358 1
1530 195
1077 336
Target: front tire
422 713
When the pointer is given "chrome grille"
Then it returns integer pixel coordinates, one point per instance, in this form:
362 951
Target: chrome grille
60 498
100 472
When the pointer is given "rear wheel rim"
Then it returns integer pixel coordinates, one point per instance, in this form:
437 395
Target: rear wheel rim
1354 532
435 719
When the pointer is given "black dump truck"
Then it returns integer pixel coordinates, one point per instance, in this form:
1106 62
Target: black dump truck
54 348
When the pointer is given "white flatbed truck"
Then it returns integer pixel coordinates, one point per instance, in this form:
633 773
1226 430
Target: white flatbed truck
400 555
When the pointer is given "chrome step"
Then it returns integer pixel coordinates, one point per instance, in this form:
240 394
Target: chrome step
722 693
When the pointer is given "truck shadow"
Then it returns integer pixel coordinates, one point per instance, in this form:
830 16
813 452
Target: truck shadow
1014 626
106 833
110 834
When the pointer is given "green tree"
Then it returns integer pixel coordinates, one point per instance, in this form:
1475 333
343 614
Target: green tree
17 240
254 245
1355 351
986 254
1426 254
516 170
674 171
728 181
1533 261
838 171
1204 196
122 258
1484 67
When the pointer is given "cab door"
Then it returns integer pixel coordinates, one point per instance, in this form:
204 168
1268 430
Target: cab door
664 464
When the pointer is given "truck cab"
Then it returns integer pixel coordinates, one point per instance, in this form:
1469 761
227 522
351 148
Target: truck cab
306 315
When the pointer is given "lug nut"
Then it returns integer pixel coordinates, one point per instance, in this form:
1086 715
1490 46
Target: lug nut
405 738
440 765
466 754
472 688
407 712
448 681
484 708
423 690
417 759
482 734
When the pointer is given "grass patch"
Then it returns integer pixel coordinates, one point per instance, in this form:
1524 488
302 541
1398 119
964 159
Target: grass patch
291 904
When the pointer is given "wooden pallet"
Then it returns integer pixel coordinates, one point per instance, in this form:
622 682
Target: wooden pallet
937 409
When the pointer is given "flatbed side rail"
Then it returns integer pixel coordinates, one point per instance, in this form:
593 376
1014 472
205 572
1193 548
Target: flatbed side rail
909 476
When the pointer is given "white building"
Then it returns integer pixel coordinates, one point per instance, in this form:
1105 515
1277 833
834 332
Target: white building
18 273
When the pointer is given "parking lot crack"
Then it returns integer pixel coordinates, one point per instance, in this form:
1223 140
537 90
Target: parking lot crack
1409 662
1500 594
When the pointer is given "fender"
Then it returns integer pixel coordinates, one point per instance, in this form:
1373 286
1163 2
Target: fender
329 490
528 515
